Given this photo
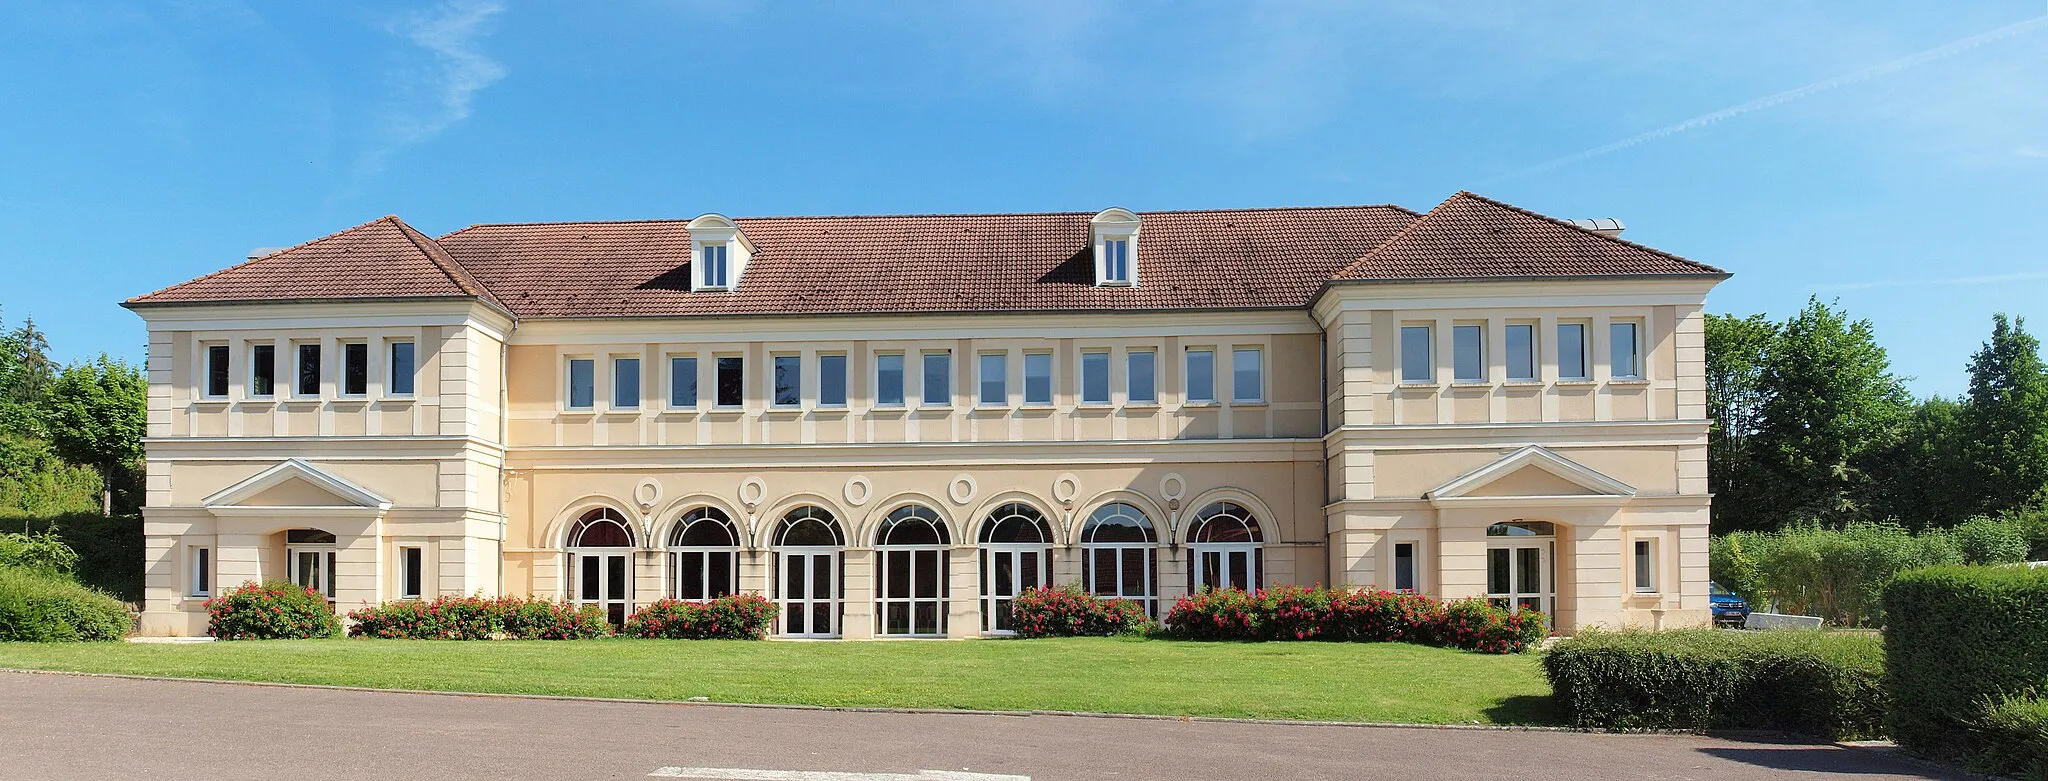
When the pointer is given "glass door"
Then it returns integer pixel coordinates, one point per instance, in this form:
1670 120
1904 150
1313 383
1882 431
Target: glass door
809 592
1006 571
1518 576
1225 565
312 568
602 579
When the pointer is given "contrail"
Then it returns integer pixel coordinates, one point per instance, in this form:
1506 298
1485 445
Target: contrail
1731 112
1987 279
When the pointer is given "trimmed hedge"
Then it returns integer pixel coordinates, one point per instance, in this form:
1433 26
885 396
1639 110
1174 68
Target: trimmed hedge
2012 739
478 618
1968 637
39 606
1824 684
272 610
730 617
1296 613
1070 612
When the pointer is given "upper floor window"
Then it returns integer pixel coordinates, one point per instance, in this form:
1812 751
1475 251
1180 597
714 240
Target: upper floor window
626 383
889 379
1521 343
682 382
1571 351
711 260
789 380
1468 353
1626 351
1418 363
355 368
1247 375
309 370
263 370
1038 378
1116 261
582 383
402 370
217 370
1095 377
832 380
995 380
1140 384
720 253
938 379
1201 376
1114 233
731 381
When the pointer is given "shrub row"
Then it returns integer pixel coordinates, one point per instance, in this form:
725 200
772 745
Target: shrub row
37 605
1295 613
272 610
1825 684
1840 574
740 616
1969 641
1070 612
730 617
2012 739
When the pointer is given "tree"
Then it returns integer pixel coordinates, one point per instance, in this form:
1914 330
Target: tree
1831 406
1736 349
1923 479
25 376
98 413
2007 417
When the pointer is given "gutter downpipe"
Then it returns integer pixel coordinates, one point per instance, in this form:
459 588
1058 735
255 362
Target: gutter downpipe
504 445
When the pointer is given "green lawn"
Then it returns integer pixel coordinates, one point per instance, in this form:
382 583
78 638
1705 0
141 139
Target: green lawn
1323 681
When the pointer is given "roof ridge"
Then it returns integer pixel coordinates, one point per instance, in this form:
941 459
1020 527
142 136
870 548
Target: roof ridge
445 261
1419 218
264 256
1568 224
1335 207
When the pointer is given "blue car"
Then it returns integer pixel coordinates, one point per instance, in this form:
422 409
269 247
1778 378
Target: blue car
1729 609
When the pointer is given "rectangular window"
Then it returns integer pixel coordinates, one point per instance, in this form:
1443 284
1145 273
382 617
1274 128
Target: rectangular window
938 379
831 380
309 370
1095 378
789 380
1404 566
1116 261
202 572
995 379
1201 376
682 382
263 370
732 372
402 370
1468 353
1418 361
1038 378
1521 352
1626 355
216 370
355 369
1139 380
1247 375
1646 570
625 383
889 379
714 266
413 577
582 383
1571 351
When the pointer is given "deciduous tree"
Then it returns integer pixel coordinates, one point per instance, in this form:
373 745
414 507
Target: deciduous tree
98 413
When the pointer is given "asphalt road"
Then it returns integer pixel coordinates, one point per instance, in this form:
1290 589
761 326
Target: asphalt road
70 727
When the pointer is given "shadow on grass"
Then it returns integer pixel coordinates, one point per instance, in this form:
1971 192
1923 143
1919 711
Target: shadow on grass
1526 709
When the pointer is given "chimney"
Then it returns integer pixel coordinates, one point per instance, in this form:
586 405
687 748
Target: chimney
1605 226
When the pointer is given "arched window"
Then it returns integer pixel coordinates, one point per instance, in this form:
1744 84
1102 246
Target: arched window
1120 555
1016 554
600 571
309 557
808 568
911 600
703 554
1225 544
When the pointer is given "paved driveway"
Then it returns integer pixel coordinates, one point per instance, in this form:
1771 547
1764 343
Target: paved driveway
69 727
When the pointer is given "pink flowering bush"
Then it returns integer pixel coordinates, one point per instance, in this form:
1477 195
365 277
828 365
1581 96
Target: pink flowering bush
272 610
730 617
1296 613
478 618
536 618
1071 612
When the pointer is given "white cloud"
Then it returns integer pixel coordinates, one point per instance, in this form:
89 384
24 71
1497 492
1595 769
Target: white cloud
433 93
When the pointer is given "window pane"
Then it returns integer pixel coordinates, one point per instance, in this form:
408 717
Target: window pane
582 379
1571 351
714 265
832 380
1201 375
1626 355
1643 574
682 382
1404 566
217 370
626 383
1497 571
1246 382
1095 378
1528 570
355 368
615 577
263 370
401 381
413 567
1521 352
1468 353
789 383
889 379
1142 389
938 379
1038 378
995 382
1417 364
720 576
309 370
731 388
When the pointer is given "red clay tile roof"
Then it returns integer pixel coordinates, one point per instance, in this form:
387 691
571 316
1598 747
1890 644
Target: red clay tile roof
1472 237
382 258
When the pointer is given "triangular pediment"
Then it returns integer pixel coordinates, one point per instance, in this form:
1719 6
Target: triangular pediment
295 483
1533 471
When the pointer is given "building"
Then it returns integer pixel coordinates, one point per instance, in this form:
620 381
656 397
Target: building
891 424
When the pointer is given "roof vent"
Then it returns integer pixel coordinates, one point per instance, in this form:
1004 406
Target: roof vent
1605 226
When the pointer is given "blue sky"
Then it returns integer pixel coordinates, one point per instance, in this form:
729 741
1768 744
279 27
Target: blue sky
1891 155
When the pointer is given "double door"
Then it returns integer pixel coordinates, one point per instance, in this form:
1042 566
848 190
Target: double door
604 579
807 590
1006 571
1519 576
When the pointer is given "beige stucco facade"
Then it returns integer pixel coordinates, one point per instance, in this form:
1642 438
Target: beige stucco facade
1351 475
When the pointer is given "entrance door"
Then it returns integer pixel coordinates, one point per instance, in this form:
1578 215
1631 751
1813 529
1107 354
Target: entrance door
1006 571
809 592
602 579
1518 576
1225 565
313 568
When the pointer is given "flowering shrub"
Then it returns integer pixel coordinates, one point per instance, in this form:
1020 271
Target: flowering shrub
478 618
535 618
730 617
1296 613
272 610
1071 612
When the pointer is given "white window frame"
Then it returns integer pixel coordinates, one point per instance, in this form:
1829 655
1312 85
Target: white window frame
341 363
714 256
1258 365
405 573
249 389
638 385
1636 371
675 559
391 375
774 384
1108 378
1114 235
982 378
569 383
1130 383
319 369
1643 551
903 379
717 363
1535 352
1480 346
924 380
1188 384
1394 565
327 554
207 351
696 381
845 386
1051 378
1428 332
1584 346
199 570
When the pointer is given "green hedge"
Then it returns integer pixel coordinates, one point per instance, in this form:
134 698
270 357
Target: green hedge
39 606
1824 684
1965 637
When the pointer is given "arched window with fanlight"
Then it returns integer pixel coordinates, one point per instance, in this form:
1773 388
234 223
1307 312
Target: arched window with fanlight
911 595
600 563
1225 548
1120 555
809 546
703 555
1016 554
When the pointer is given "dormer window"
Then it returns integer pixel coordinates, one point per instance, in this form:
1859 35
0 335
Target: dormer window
1115 235
712 265
719 253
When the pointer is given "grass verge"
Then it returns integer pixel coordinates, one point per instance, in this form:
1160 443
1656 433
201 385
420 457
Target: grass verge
1383 682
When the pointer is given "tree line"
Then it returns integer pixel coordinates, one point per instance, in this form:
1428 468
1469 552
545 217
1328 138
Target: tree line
70 436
